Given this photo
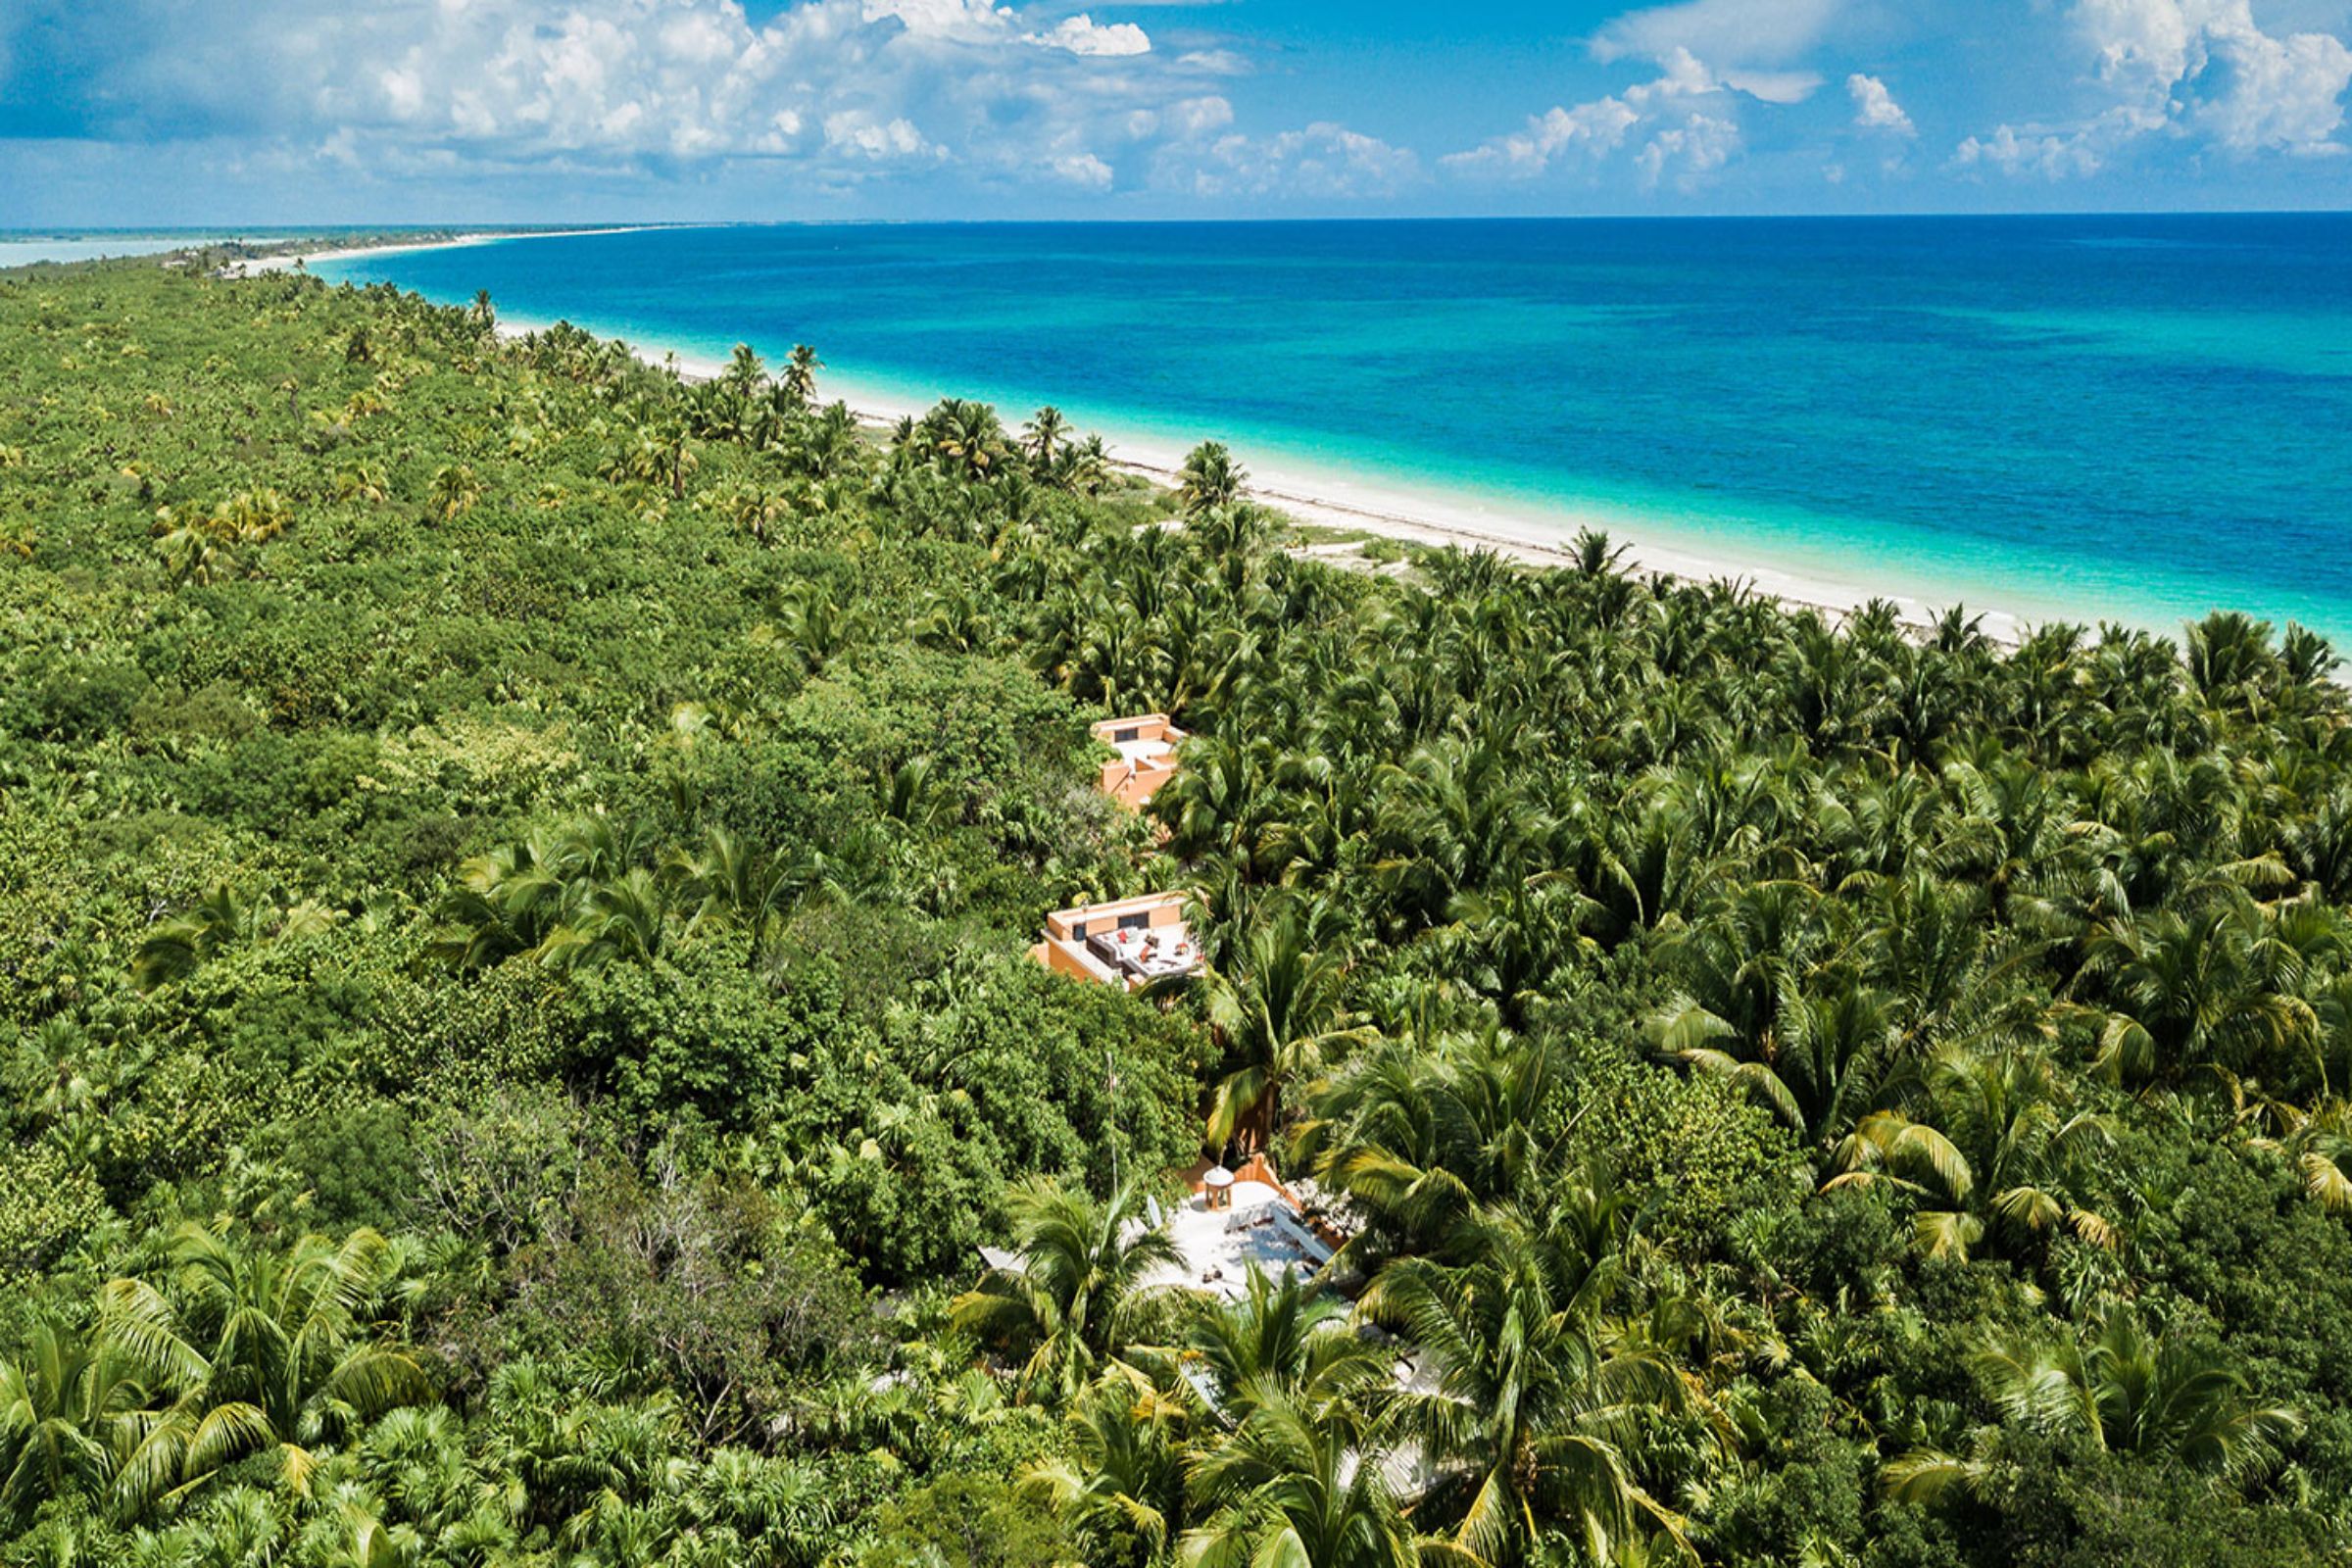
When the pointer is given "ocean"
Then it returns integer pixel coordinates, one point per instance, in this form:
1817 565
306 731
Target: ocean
23 247
2138 419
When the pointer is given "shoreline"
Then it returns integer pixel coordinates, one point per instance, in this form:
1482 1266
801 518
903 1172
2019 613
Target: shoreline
1535 534
290 260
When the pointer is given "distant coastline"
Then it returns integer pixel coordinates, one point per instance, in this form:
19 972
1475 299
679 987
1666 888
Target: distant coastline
238 254
1812 413
305 257
1536 537
1533 535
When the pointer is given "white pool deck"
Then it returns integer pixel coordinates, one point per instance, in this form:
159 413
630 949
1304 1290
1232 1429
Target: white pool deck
1218 1246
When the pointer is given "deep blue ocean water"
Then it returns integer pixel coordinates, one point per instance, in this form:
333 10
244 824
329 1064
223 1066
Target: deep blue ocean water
2068 417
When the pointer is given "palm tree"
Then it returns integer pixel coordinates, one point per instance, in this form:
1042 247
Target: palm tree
1225 802
1122 1486
2125 1391
1044 431
756 511
260 1350
1278 1015
1420 1132
1233 532
2228 658
2144 1395
910 794
1285 1339
1210 480
1083 467
179 945
827 446
1827 1058
1298 1490
1455 817
1526 1414
1645 862
800 373
743 375
727 884
2322 1149
2319 846
1745 969
452 491
485 315
2196 990
52 1073
1596 556
956 620
193 545
508 900
1069 1302
625 917
816 623
362 481
1991 1141
965 439
68 1409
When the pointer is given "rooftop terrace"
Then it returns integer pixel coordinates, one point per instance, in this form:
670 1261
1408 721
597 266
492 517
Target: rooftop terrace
1146 746
1218 1244
1128 942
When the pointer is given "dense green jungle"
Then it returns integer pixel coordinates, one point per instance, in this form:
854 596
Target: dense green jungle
516 1020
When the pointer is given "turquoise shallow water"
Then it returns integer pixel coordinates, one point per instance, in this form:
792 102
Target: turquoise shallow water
2138 419
19 249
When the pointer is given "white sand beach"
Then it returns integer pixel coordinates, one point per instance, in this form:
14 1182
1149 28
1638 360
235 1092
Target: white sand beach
293 259
1535 534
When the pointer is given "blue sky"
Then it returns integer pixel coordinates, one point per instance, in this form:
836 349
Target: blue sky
230 111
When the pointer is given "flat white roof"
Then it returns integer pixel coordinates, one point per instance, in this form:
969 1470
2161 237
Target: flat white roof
1219 1245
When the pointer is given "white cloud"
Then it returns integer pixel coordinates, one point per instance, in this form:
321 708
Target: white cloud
1735 32
961 20
403 93
1193 118
2029 152
831 92
1214 62
1875 108
825 95
1688 152
1597 128
2200 69
698 37
982 23
1081 34
2142 44
2257 91
1773 86
1323 160
861 136
1691 130
1084 170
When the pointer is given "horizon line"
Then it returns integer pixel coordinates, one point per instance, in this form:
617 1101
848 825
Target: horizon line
235 230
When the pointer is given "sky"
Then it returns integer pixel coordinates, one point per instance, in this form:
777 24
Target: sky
290 112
